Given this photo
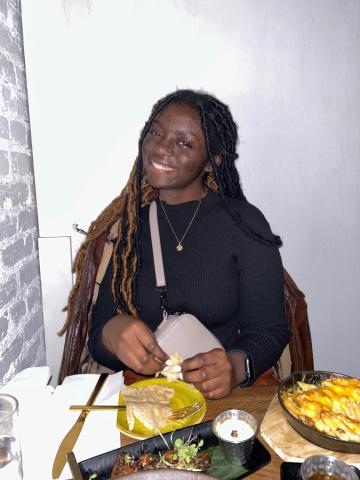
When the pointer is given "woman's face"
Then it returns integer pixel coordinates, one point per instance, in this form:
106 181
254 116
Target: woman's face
174 154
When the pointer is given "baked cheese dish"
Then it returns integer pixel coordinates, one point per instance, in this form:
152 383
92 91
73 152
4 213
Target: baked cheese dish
333 407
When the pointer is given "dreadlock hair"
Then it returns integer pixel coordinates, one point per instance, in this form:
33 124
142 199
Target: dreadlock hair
221 136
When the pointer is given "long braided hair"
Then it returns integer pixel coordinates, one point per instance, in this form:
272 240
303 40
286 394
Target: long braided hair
220 133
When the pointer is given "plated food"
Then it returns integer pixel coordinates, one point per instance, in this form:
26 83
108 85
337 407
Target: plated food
182 456
148 451
149 404
324 407
333 407
141 421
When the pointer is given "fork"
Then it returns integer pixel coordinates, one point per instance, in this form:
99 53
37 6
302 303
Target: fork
186 411
176 414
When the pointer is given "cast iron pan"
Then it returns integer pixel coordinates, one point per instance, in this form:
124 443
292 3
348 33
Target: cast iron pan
310 433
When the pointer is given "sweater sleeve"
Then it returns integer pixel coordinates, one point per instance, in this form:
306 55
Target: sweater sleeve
262 325
103 310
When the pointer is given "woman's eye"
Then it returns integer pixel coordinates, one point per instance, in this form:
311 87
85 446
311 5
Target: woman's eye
154 132
184 143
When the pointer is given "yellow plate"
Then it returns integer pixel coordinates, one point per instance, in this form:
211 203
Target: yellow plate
184 395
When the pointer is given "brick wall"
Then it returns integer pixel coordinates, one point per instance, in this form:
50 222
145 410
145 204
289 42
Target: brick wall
21 321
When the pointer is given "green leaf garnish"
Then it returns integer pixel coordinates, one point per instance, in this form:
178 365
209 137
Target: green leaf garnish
178 443
186 451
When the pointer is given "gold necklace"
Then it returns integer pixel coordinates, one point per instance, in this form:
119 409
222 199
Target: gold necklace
180 246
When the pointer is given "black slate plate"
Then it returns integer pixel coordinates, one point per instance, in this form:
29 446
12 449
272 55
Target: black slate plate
310 433
291 471
102 464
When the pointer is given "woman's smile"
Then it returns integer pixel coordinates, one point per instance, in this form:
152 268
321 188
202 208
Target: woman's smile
163 167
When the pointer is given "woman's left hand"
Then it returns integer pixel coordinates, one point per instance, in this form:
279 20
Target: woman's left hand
215 373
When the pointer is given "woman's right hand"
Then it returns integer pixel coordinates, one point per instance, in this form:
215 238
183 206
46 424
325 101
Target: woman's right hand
134 344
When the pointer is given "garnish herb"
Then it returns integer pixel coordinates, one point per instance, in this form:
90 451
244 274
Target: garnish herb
186 451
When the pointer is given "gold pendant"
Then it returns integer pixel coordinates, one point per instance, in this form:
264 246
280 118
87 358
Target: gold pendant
179 248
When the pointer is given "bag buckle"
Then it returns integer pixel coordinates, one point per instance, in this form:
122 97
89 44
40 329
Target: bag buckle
163 301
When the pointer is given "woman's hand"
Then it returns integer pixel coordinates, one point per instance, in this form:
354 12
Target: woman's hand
134 344
215 373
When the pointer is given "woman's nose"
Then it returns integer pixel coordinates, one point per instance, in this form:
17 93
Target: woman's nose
165 146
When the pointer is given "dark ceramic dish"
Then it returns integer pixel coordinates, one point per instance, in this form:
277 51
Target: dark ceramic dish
311 434
102 464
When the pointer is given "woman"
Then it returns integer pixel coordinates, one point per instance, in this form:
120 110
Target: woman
220 257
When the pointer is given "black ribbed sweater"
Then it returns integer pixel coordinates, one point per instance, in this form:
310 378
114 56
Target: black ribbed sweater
232 283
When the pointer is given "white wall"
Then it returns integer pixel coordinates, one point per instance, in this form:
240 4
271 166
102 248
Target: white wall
289 70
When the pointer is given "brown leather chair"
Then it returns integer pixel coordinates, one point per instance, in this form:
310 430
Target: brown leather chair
300 345
298 354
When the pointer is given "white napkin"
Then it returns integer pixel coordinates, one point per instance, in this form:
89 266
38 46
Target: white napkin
45 418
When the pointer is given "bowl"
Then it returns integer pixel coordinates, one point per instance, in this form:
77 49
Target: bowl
324 466
309 433
237 438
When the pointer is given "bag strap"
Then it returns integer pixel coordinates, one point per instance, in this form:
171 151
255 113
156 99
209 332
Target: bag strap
156 246
105 259
158 259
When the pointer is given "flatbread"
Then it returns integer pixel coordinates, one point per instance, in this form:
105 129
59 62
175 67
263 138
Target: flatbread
150 405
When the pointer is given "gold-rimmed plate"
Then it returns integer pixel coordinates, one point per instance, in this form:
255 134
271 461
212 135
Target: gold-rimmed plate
185 395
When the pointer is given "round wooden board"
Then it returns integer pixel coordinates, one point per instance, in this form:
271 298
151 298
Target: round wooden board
288 444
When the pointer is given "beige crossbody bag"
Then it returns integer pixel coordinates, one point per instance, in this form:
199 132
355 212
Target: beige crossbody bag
182 333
